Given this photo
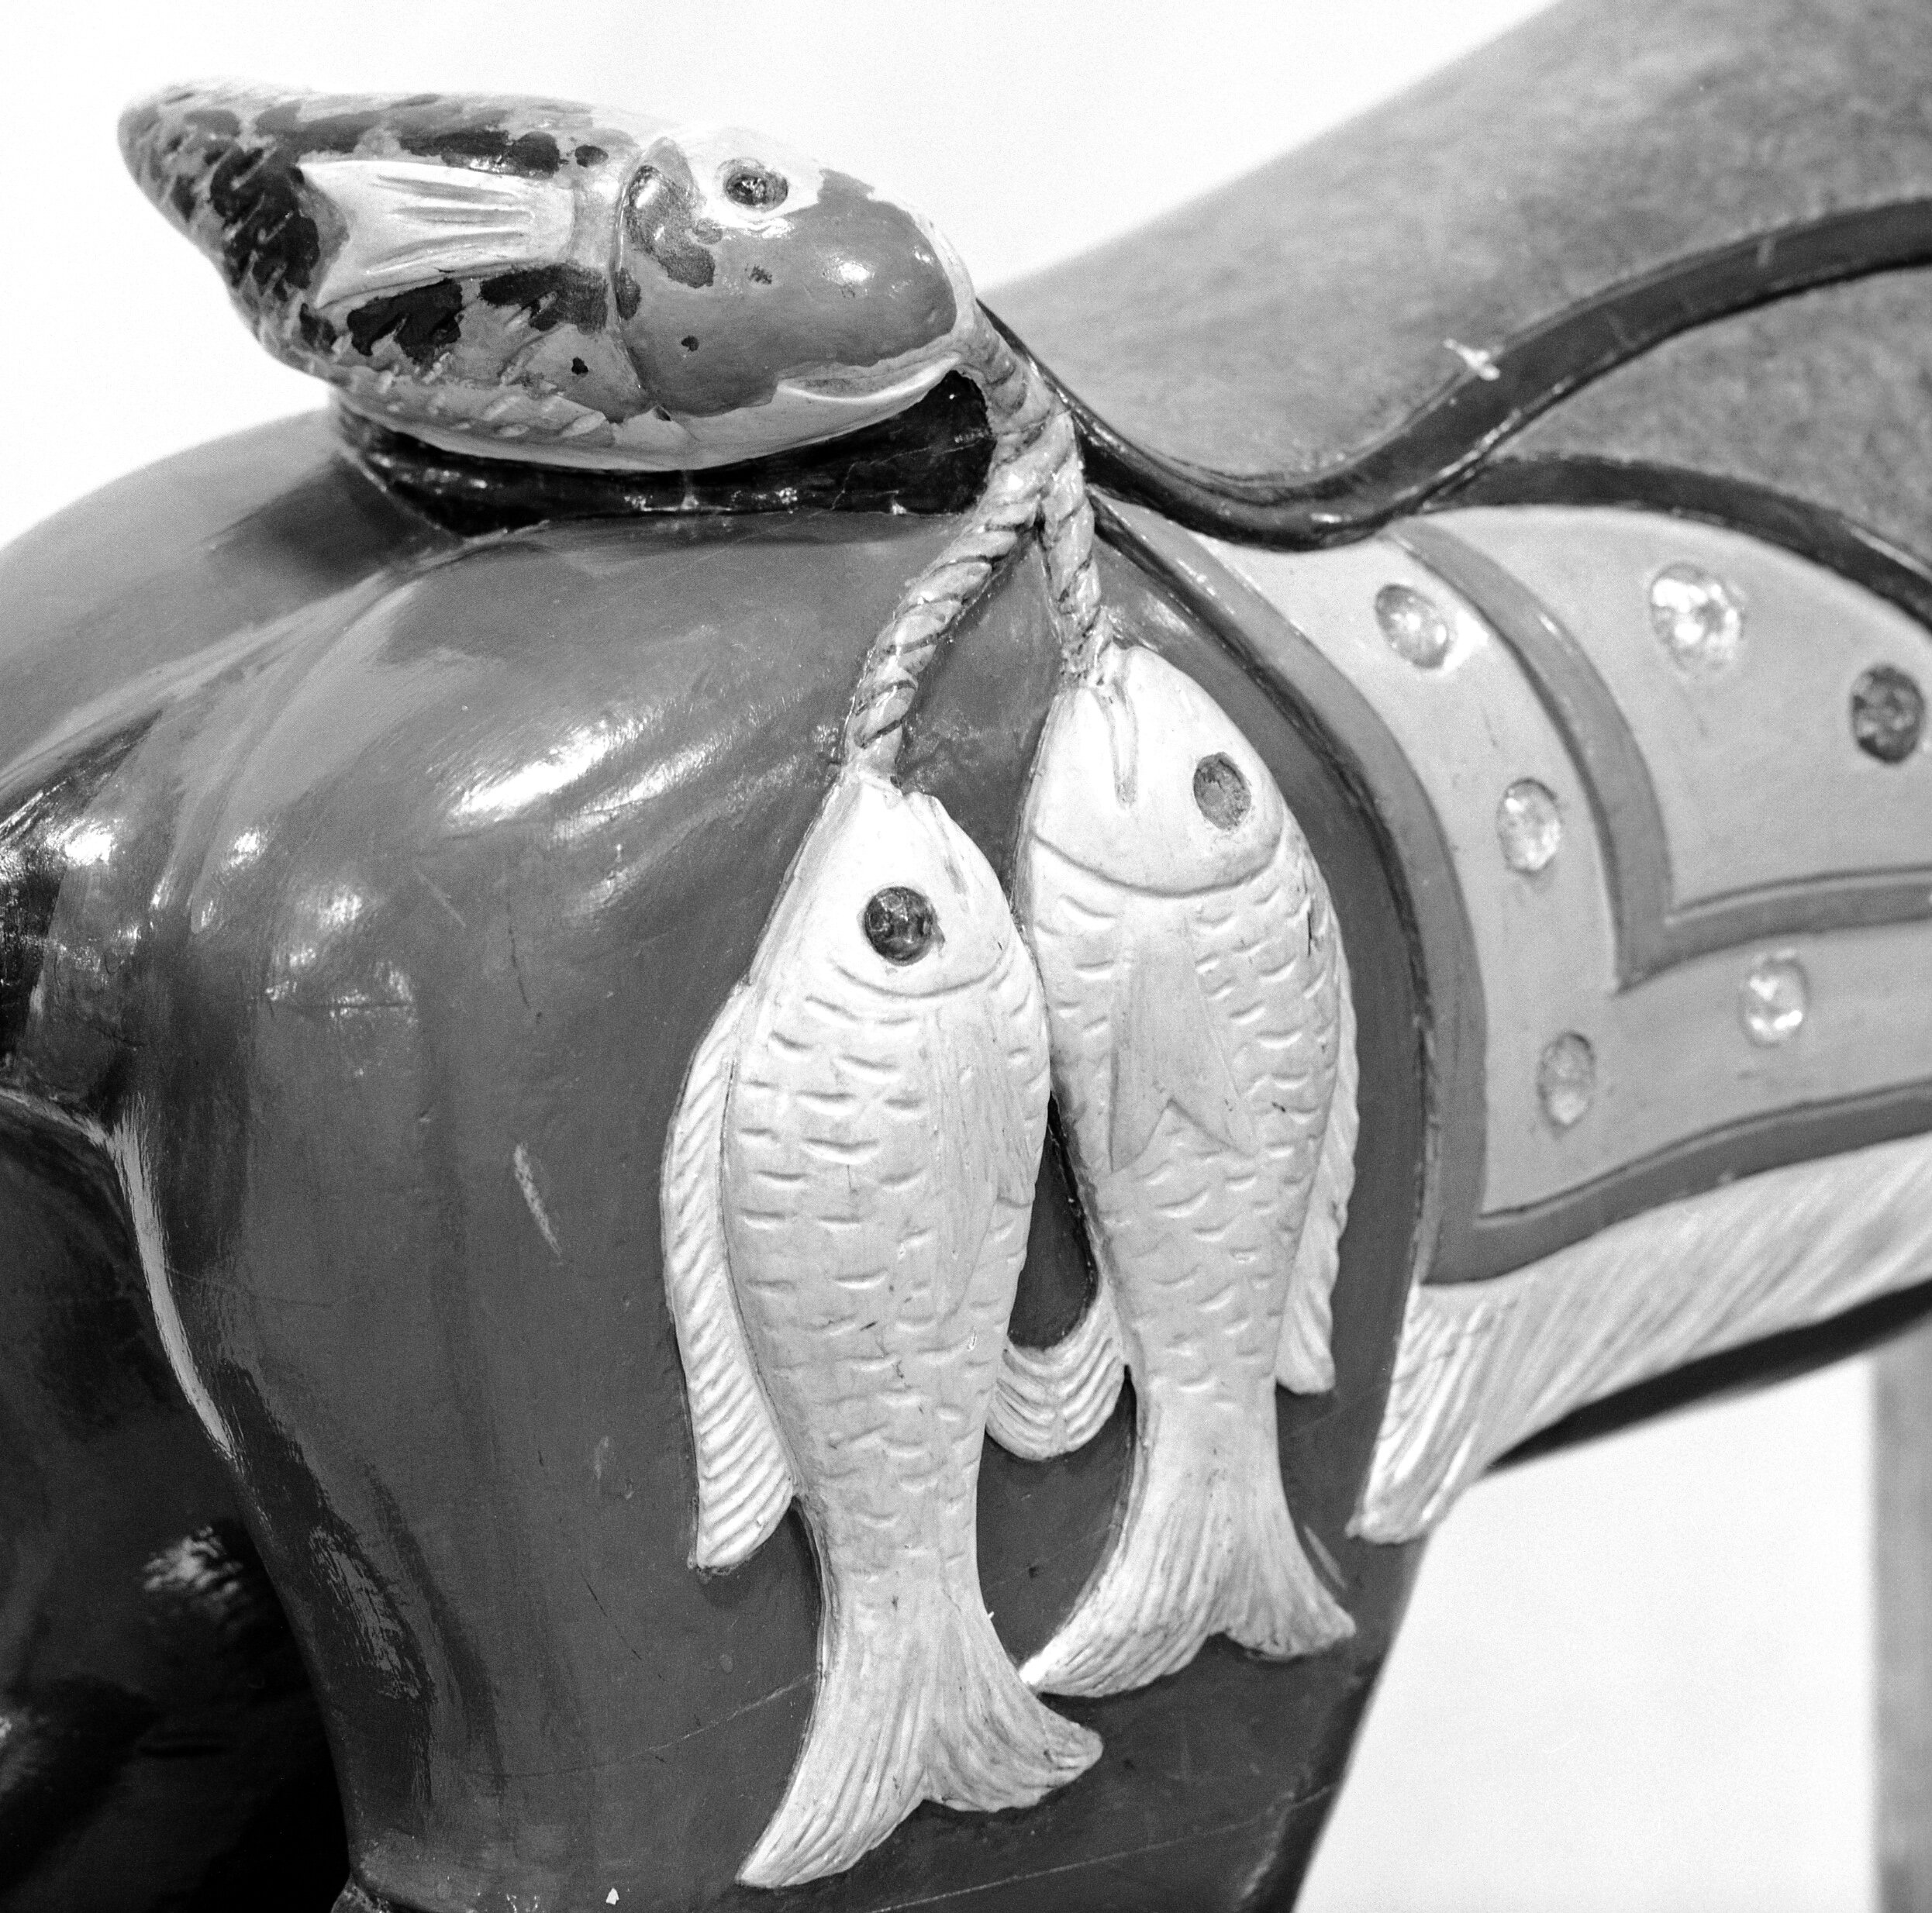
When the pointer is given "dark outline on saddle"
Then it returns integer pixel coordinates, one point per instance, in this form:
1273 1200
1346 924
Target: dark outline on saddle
1447 438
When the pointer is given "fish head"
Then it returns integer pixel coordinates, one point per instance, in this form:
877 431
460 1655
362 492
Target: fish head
766 301
892 896
1142 778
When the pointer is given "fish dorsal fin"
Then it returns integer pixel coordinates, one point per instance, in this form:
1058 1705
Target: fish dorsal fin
413 222
1304 1361
1166 1051
744 1482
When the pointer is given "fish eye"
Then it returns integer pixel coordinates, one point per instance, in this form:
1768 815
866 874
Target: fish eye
900 923
748 183
1221 791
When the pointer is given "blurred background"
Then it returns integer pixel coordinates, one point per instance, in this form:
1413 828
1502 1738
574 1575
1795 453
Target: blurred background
1637 1677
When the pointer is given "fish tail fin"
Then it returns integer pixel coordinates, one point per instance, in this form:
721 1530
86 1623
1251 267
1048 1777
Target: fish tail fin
916 1701
1208 1547
218 162
1304 1362
1050 1401
173 141
1273 1601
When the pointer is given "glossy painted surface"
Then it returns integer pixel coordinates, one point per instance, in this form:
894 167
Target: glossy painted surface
163 1742
366 891
375 931
159 1743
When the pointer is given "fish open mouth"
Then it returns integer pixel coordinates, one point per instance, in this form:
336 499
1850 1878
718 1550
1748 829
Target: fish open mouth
847 397
803 410
870 386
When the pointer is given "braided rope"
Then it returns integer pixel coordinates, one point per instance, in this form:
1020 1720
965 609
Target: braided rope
1036 475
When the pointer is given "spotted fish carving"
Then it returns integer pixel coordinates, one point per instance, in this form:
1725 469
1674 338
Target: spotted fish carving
546 281
847 1185
1203 1056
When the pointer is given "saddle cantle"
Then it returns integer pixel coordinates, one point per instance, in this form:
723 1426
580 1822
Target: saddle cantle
1548 255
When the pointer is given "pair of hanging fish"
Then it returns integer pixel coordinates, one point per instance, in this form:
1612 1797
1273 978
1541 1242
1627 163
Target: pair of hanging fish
848 1179
848 1190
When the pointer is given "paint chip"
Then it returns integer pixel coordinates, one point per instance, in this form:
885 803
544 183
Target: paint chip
1481 363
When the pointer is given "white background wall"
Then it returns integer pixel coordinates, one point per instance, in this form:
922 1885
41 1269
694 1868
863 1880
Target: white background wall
1634 1679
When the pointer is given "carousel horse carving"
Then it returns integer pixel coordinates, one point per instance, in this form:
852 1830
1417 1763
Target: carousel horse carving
782 1067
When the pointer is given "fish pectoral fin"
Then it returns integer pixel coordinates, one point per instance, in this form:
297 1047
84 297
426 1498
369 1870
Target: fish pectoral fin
1304 1361
1050 1401
1166 1052
410 222
745 1481
990 1149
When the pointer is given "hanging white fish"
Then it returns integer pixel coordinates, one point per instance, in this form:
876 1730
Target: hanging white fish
846 1191
1203 1054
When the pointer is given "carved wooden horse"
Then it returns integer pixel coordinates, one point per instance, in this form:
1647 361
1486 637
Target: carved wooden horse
541 915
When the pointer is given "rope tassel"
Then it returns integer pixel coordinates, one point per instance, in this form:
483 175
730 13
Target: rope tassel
1035 478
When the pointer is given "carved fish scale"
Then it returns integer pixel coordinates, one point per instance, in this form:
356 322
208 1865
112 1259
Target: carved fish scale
1234 1182
881 1364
